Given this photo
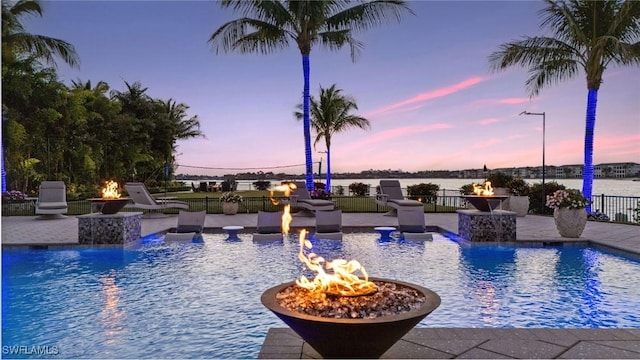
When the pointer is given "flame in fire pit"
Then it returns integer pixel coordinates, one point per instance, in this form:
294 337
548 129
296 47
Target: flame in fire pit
110 190
485 190
286 216
342 281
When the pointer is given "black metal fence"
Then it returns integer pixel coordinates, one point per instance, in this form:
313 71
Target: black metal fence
621 209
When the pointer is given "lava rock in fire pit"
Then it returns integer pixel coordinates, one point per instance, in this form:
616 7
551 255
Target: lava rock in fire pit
390 299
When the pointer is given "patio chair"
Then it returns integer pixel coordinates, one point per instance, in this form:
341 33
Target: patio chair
189 228
391 195
52 198
269 227
329 225
300 198
142 199
411 224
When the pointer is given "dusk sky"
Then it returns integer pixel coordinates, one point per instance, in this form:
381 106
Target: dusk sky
424 84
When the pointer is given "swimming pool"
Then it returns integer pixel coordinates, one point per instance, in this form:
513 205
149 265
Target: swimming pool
203 300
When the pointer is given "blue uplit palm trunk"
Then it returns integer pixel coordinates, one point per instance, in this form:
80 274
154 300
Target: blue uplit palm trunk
306 125
587 171
4 175
327 186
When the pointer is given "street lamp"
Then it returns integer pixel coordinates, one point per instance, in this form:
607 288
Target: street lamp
543 167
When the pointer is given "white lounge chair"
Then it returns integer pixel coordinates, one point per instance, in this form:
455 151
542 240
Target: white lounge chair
189 228
269 227
391 195
142 199
329 225
52 198
300 198
411 224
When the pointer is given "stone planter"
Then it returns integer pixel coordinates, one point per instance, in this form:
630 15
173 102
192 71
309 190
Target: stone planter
570 222
229 208
519 205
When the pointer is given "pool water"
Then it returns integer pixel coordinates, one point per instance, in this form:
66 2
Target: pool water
203 300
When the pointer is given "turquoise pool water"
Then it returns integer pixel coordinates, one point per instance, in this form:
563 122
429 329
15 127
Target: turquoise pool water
203 300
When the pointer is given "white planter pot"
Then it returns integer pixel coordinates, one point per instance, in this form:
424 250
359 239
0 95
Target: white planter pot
519 205
229 208
570 222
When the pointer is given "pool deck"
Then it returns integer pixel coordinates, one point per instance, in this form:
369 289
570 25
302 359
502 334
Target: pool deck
435 343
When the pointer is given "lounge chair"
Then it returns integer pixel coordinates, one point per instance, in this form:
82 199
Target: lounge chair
142 199
52 198
189 228
329 225
269 227
391 195
411 224
300 198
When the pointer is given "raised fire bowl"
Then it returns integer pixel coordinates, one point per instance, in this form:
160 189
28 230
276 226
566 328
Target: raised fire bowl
485 203
110 206
351 338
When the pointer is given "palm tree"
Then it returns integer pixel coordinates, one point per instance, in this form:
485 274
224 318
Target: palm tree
17 43
270 25
331 115
181 126
587 35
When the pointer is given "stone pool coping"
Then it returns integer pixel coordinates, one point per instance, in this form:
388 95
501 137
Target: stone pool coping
494 343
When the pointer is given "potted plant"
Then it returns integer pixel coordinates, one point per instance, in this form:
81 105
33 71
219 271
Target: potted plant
569 211
519 196
230 202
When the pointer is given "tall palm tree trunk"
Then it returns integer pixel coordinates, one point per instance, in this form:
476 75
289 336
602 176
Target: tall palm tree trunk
306 124
327 187
587 171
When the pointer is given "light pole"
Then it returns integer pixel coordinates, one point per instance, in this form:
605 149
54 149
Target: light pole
543 167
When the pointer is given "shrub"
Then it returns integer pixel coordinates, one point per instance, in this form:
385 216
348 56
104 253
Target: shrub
340 190
262 185
518 187
425 193
14 196
535 196
499 179
466 189
359 189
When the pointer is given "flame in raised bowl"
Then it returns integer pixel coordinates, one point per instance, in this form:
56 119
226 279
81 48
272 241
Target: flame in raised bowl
110 190
485 190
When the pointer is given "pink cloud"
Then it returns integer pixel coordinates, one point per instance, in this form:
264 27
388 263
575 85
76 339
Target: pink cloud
486 143
513 101
487 121
400 132
447 90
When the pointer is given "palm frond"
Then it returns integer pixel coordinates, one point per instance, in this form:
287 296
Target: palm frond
249 35
368 14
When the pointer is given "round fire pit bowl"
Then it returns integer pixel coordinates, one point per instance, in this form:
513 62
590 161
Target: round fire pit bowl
352 338
111 206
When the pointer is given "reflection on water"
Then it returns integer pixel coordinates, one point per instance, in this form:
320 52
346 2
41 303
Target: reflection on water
111 315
